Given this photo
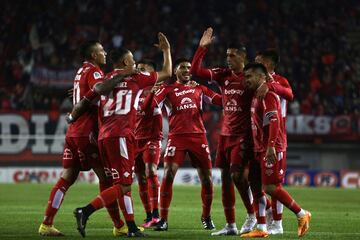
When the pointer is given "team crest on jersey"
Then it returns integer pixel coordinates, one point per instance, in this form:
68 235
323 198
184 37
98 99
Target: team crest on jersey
176 89
97 75
186 103
226 82
67 154
186 100
232 105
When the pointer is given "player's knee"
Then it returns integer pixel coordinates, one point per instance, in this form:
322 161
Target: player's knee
151 171
269 188
206 180
238 177
169 176
70 174
125 188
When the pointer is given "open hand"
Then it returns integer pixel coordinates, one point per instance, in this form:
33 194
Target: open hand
207 38
163 44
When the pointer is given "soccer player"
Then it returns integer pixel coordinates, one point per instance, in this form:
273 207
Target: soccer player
80 150
234 146
116 140
148 135
270 58
268 166
183 103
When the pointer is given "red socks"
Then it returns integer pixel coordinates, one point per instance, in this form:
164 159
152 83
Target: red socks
207 198
126 205
165 197
228 201
112 208
153 188
107 197
143 192
55 200
284 197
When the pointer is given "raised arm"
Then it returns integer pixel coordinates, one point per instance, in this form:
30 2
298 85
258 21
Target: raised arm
166 70
196 64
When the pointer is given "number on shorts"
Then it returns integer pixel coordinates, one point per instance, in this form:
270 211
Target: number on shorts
170 151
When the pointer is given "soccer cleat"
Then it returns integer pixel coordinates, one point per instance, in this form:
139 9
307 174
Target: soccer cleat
49 231
162 225
147 223
155 220
248 225
275 229
151 223
137 233
256 233
304 224
81 220
226 231
122 231
207 223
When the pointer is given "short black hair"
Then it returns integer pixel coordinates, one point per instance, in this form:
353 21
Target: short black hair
180 60
87 48
270 54
118 54
235 45
256 66
148 62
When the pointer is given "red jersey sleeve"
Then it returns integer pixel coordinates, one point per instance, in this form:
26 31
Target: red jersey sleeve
197 70
211 96
271 115
282 91
94 76
160 95
146 79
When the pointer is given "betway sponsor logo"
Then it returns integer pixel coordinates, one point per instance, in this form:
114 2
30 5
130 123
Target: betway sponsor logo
184 92
234 91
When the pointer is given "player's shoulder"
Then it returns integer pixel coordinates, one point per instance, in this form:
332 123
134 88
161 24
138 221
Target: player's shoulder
222 71
142 75
281 79
271 96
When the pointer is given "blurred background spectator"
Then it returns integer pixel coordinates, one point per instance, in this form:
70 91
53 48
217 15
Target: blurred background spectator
318 42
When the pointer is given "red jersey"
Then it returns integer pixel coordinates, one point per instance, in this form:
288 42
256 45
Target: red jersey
86 77
235 97
117 111
148 123
283 106
265 122
184 104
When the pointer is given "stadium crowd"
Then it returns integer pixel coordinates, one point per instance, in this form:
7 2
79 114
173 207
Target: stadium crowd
318 54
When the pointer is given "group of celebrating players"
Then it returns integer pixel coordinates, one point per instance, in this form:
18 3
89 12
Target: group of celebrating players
116 130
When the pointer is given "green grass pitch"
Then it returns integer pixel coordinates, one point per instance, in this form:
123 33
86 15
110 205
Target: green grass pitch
336 213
